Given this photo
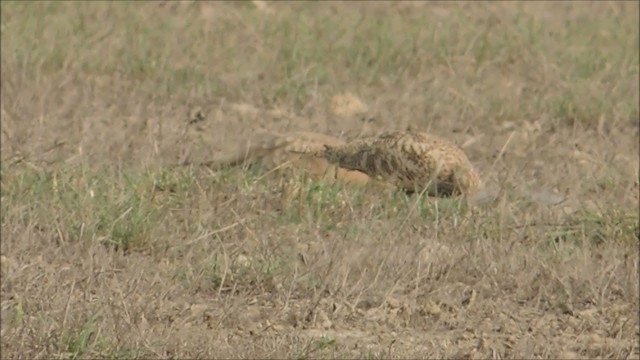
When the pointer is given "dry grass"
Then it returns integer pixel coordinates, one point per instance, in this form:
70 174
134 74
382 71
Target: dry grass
109 251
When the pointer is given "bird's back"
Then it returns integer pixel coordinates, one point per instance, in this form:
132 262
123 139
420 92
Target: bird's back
411 160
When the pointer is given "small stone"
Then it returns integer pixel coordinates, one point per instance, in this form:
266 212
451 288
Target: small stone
347 105
430 308
393 303
243 261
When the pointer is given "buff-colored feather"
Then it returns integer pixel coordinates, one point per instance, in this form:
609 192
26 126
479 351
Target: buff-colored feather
295 149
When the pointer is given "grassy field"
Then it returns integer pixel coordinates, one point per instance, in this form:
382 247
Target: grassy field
111 251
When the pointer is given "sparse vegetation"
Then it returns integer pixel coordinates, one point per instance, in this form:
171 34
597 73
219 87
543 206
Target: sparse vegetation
109 250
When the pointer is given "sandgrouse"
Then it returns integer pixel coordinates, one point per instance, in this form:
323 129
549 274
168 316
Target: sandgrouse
413 161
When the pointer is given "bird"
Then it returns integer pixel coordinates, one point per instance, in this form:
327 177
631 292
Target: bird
290 150
411 160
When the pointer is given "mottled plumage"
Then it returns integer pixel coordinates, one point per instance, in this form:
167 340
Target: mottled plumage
412 161
296 149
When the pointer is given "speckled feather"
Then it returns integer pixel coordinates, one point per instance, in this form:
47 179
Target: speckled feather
412 161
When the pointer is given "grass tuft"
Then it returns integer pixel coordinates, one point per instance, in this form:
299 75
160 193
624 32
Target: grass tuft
111 250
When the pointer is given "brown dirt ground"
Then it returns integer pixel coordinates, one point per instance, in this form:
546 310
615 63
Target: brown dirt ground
109 250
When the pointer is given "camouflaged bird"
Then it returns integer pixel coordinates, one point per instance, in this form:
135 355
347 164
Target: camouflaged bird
413 161
294 149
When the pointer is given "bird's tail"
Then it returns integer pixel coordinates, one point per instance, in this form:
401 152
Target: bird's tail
324 153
